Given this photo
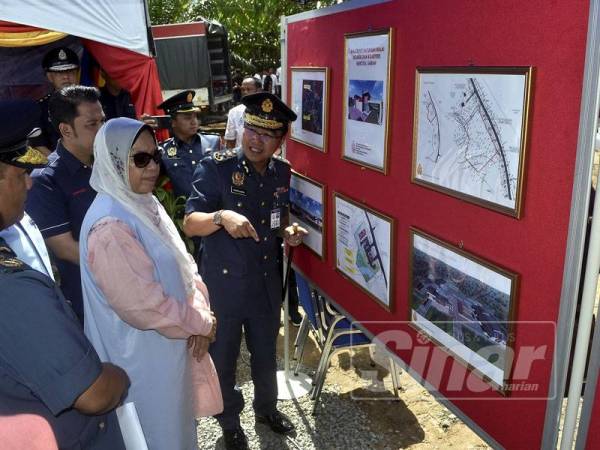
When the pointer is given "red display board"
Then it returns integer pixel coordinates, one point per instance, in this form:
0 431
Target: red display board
551 37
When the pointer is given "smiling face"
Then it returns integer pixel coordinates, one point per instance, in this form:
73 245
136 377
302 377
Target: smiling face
259 145
143 179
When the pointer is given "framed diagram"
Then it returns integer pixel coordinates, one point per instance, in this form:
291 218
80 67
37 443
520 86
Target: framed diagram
464 304
307 207
470 133
364 243
367 86
310 100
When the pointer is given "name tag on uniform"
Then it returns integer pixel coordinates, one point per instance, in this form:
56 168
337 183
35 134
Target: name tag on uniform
275 218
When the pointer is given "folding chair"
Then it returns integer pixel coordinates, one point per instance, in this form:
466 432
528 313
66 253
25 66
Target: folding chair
341 335
310 322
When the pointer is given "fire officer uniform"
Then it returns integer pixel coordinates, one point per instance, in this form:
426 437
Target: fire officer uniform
242 275
179 159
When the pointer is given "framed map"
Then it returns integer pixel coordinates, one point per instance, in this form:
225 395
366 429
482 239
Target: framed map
464 304
310 97
307 208
470 133
364 240
367 85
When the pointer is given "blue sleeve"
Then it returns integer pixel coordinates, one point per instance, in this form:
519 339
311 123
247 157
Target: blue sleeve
206 189
47 206
41 344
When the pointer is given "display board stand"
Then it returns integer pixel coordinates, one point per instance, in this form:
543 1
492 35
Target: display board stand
555 182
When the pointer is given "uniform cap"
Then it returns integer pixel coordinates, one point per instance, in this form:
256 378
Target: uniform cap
179 103
18 119
265 110
60 59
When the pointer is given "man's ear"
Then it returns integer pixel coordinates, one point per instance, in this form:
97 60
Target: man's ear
65 130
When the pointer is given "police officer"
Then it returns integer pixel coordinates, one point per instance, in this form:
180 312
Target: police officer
47 366
187 147
61 66
239 204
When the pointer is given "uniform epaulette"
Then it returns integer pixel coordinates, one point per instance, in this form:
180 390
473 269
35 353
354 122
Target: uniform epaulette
223 155
166 142
44 98
9 262
281 159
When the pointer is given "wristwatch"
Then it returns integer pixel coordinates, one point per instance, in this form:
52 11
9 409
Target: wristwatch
217 217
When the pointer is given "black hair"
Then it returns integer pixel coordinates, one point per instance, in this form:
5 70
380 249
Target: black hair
62 106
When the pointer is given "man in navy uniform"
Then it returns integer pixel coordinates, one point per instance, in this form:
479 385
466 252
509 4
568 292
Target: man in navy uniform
61 66
187 147
61 193
48 368
239 205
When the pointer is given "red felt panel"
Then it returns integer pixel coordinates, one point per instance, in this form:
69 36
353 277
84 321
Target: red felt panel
551 37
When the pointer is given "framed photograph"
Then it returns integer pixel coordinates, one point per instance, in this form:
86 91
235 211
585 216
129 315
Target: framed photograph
464 304
307 207
310 100
470 133
367 85
364 243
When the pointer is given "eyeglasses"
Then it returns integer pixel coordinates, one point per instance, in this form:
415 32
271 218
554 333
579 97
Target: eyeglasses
142 159
262 137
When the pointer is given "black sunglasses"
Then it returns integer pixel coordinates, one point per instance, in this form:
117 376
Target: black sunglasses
142 159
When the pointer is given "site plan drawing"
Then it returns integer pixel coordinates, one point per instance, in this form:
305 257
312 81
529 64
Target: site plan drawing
363 248
470 134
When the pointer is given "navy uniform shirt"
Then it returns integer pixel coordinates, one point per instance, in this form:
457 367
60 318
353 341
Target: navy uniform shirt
119 105
49 136
180 159
58 201
242 274
46 362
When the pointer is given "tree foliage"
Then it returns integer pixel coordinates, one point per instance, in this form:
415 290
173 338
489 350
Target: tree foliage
168 11
252 25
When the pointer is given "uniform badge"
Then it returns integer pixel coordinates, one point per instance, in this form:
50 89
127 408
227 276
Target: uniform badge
237 178
10 262
171 152
189 97
267 105
62 55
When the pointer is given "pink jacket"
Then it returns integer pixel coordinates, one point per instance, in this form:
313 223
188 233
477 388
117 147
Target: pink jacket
125 274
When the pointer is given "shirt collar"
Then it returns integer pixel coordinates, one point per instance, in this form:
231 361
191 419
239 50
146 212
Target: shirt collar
69 160
248 168
179 142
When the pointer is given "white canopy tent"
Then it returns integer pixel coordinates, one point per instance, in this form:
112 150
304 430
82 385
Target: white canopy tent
119 23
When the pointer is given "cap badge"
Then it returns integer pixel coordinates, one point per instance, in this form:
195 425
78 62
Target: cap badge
267 105
189 97
237 178
62 55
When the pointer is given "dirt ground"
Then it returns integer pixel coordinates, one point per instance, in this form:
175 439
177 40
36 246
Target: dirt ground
416 421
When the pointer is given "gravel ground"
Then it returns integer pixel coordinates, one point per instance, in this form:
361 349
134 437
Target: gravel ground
344 425
413 420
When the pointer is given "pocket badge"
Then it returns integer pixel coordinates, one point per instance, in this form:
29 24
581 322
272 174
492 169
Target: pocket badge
237 178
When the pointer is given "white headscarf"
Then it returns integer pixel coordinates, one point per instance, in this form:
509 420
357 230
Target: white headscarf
110 176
